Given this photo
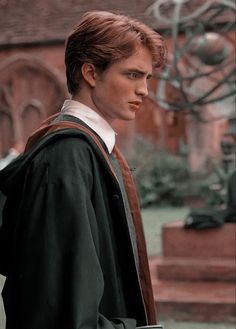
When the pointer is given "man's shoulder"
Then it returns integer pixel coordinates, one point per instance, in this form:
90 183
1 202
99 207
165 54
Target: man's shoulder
60 145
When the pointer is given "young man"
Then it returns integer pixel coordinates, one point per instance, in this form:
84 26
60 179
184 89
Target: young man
76 251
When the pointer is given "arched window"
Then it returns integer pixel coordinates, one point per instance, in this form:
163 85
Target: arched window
29 92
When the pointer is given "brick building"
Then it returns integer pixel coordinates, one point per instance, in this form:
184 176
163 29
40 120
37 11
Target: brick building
33 86
32 73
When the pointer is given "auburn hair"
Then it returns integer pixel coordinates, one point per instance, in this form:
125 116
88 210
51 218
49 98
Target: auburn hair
103 38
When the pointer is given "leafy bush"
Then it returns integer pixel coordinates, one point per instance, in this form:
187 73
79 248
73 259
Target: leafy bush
161 178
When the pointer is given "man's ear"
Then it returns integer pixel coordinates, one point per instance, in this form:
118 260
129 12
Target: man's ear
89 73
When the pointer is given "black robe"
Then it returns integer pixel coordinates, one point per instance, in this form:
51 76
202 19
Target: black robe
70 262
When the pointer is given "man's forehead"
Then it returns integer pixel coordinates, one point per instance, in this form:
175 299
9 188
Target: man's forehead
141 60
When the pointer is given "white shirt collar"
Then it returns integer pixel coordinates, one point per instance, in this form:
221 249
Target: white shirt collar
92 119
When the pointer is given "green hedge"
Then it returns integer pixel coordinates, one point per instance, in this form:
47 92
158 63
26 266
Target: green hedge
161 178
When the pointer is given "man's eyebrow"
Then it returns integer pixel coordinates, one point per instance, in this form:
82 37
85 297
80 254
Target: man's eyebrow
149 75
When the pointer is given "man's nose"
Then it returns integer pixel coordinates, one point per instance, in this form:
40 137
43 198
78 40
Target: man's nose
142 88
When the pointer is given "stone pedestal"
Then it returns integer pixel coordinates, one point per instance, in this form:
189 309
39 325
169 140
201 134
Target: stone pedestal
194 278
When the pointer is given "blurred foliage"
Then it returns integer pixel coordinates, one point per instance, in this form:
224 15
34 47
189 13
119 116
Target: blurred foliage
166 179
161 178
213 186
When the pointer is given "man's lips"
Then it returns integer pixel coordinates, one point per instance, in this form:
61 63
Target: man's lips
135 104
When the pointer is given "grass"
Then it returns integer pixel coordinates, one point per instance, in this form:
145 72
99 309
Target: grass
153 220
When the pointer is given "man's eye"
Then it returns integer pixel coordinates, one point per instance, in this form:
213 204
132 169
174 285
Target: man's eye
133 75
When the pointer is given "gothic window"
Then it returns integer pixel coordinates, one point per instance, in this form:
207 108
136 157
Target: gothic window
29 92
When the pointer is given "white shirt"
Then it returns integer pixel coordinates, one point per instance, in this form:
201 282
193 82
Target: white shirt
92 119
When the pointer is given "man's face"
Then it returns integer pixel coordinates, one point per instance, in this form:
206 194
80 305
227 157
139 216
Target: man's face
119 90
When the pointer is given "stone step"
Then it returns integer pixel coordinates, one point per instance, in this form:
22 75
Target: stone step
195 301
204 244
189 269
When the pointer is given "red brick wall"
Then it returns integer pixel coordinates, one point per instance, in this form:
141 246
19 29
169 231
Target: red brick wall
151 122
50 54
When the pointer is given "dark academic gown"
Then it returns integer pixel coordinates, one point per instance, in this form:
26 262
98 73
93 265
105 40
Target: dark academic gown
66 249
